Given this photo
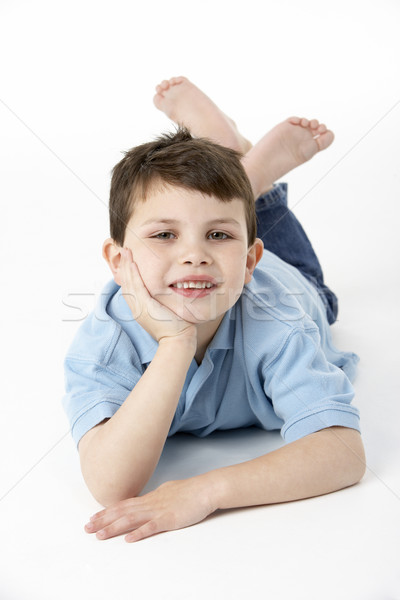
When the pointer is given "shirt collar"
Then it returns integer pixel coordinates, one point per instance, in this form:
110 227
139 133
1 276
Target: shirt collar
224 336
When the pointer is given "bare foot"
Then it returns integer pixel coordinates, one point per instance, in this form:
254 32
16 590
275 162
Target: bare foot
186 105
285 147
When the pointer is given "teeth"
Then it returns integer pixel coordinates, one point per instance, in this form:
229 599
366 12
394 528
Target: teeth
198 285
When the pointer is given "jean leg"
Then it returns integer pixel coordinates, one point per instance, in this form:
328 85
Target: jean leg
283 235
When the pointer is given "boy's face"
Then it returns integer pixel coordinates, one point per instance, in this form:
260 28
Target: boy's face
180 238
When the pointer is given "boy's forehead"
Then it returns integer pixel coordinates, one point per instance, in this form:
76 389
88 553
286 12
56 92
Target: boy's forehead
179 203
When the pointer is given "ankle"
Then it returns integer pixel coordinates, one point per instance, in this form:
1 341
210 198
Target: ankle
257 179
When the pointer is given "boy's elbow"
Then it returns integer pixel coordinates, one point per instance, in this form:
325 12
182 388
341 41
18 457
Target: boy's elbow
104 482
357 454
362 461
107 497
357 473
350 452
106 491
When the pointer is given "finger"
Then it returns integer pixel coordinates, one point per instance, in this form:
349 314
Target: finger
122 525
97 523
133 289
124 269
126 263
112 512
146 530
131 270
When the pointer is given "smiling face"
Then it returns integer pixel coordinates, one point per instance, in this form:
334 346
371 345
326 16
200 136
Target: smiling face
192 253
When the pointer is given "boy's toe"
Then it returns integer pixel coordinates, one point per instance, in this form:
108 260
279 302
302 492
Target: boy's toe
176 80
324 140
157 100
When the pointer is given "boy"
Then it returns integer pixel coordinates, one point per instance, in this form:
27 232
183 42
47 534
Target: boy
191 336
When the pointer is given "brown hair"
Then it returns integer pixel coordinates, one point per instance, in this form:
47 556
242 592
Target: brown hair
178 159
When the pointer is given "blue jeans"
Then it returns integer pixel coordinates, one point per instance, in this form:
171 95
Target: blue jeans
283 235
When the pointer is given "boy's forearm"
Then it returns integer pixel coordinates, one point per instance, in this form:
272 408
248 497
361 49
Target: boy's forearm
122 455
317 464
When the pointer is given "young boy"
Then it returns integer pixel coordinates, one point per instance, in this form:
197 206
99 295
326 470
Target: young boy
201 329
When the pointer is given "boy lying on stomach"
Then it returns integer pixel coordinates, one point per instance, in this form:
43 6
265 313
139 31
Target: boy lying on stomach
202 328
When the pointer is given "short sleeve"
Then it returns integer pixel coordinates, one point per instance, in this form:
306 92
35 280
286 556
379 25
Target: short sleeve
96 385
307 392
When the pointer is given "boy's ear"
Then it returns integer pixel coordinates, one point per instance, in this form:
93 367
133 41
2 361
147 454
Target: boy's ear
253 256
112 255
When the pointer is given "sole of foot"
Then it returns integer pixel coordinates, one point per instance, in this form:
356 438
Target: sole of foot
288 145
186 105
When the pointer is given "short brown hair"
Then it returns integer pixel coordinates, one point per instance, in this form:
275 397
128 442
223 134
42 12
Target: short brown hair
178 159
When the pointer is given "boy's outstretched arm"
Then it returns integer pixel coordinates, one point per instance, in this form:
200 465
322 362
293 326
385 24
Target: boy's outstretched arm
320 463
119 456
317 464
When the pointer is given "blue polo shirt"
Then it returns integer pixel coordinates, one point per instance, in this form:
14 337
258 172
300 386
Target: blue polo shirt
271 363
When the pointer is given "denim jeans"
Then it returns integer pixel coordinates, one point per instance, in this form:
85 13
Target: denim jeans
283 235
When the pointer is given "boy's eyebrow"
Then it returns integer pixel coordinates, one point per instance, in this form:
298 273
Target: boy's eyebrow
175 221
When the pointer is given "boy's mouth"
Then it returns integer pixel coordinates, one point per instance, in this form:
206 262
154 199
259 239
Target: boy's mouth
194 286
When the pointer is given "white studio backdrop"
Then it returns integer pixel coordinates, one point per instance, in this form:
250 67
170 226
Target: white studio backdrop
76 87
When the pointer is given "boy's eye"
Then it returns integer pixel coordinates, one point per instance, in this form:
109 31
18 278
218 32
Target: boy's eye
164 235
214 235
218 235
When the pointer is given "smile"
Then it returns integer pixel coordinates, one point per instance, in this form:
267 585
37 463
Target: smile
194 285
194 289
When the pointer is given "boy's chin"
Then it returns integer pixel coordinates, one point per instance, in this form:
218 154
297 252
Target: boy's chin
201 310
197 318
196 315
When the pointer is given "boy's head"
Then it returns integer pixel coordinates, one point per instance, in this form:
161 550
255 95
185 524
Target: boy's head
178 160
185 209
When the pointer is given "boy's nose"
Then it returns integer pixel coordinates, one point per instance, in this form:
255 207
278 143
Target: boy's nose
195 262
195 256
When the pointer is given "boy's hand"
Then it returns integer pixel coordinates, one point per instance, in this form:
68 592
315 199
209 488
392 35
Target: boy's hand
158 320
174 505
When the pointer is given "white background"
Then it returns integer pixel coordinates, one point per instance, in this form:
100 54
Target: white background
77 82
